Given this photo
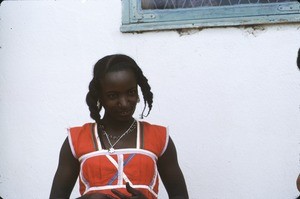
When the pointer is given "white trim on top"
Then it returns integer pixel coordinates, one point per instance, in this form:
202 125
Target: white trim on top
97 137
118 151
138 135
121 186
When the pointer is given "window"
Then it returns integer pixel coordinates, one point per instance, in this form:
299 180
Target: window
147 15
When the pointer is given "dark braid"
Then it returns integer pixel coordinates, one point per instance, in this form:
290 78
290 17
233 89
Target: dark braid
111 63
146 91
92 101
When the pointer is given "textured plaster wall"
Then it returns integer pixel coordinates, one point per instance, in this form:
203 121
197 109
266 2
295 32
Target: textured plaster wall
230 96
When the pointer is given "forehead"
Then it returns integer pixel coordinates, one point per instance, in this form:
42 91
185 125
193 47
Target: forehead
118 80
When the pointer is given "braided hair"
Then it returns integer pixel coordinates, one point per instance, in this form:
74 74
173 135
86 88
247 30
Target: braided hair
113 63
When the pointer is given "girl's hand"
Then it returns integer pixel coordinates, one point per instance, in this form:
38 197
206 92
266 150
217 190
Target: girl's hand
135 194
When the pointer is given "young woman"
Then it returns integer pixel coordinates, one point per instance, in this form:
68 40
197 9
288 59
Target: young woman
118 156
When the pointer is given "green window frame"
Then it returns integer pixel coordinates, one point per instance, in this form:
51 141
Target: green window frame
136 19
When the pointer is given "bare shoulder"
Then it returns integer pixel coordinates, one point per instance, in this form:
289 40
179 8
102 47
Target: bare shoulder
66 173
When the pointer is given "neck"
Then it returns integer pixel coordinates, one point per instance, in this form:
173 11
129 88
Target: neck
116 127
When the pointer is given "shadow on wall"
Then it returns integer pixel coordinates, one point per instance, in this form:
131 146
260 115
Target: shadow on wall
298 64
298 60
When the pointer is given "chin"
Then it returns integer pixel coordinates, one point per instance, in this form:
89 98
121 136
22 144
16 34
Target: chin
124 118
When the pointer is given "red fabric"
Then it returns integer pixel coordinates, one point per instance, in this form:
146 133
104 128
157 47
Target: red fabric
99 171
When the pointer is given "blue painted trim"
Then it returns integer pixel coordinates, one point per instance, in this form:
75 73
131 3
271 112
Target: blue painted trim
137 20
124 164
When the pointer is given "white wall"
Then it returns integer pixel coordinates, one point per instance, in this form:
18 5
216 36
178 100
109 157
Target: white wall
229 95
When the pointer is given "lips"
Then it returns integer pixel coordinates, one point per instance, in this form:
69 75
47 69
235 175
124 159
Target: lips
126 113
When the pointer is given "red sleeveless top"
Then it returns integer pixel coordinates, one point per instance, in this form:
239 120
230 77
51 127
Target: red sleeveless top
101 171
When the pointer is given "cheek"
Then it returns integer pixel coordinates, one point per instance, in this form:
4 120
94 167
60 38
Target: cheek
109 105
134 99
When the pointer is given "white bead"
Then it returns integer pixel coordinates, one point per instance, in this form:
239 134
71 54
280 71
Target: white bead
111 150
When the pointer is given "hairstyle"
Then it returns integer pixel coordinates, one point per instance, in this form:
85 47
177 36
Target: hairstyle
112 63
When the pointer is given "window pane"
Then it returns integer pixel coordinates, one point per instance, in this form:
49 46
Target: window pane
174 4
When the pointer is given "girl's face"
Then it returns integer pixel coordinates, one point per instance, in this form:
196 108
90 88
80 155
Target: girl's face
119 95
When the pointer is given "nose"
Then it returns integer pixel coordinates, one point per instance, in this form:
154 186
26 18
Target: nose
123 101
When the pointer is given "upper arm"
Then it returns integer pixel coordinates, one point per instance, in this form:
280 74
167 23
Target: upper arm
169 170
66 173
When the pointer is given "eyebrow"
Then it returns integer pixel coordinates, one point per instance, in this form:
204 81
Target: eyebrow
113 91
